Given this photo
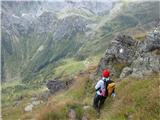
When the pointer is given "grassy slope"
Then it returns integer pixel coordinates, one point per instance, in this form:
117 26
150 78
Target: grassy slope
135 98
13 91
138 99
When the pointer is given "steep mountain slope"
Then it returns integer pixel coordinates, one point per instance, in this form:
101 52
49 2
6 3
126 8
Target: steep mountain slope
36 35
33 36
59 40
136 88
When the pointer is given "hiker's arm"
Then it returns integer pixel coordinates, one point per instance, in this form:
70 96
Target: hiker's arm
98 86
113 93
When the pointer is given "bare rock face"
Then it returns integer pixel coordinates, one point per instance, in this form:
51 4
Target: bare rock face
122 48
120 53
126 56
152 41
146 63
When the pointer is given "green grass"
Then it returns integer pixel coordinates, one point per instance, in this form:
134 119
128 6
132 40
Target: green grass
14 91
69 67
15 97
135 98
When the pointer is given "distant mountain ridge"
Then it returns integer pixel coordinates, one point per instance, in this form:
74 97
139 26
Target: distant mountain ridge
42 33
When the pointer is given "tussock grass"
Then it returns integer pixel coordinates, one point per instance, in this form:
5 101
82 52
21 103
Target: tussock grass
138 99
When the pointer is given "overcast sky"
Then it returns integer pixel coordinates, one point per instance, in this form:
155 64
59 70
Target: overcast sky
81 0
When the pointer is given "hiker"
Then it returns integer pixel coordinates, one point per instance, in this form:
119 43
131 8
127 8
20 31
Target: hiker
104 88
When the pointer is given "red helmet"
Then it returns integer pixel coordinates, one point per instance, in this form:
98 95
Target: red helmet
105 73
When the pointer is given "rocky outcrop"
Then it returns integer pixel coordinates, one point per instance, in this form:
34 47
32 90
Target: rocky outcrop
152 41
121 52
126 56
57 85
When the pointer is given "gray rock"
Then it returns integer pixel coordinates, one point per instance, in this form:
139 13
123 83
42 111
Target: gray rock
125 56
72 114
125 72
121 51
56 85
147 63
152 42
28 108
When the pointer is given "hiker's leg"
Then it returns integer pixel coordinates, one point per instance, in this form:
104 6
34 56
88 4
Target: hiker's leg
96 101
102 100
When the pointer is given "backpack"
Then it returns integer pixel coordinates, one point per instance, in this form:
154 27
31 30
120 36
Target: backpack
109 88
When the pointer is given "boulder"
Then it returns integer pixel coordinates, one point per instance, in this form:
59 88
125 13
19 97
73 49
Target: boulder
28 108
56 85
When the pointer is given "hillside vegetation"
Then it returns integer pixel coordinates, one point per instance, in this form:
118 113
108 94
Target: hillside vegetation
64 46
136 99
